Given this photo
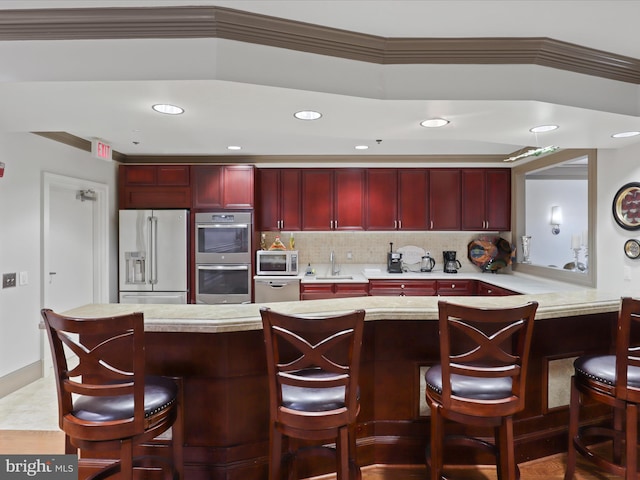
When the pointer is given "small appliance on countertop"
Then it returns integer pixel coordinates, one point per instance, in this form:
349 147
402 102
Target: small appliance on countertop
394 260
427 263
451 265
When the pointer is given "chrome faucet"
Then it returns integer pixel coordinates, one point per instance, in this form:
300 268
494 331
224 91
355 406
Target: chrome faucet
335 269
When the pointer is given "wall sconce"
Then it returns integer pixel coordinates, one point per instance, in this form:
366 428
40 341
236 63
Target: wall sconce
556 220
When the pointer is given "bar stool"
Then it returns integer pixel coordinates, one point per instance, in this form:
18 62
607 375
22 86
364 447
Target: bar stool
480 380
313 367
105 401
612 380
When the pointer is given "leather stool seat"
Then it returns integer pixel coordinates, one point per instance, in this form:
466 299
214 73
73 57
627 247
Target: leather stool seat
608 383
313 367
602 368
469 387
159 394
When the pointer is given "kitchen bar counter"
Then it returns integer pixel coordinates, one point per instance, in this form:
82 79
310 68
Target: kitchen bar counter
556 299
218 350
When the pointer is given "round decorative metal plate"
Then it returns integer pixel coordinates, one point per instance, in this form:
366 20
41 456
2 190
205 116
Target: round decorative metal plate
626 206
632 248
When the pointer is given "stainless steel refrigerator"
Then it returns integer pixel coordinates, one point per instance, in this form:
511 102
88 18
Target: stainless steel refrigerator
153 256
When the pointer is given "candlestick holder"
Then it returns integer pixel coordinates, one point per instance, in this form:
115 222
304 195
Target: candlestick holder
526 248
578 267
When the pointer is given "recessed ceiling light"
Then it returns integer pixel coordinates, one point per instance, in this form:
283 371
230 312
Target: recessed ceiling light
625 134
307 115
362 147
434 122
543 128
167 109
234 147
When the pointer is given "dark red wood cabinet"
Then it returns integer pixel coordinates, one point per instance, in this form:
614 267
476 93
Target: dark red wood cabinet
382 199
444 199
456 287
223 186
154 186
399 287
486 199
333 199
413 199
320 291
278 205
397 199
486 289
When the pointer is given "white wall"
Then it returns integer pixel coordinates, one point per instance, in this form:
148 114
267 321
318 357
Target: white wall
616 168
26 157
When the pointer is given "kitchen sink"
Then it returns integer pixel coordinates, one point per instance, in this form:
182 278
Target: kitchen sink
336 277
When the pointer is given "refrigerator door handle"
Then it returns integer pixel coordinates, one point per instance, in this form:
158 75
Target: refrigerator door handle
153 248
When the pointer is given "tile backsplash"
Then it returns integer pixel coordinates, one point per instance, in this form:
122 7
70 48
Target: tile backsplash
372 247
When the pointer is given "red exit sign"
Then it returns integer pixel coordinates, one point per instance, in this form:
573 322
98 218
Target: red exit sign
101 150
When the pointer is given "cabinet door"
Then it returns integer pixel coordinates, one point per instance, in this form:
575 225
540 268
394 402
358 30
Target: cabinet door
268 205
349 199
317 199
206 181
474 199
316 291
444 199
456 287
413 199
486 199
343 290
498 194
382 199
290 208
154 186
173 175
238 186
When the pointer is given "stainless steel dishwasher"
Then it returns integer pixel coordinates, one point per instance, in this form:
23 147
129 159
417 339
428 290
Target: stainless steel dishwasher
270 289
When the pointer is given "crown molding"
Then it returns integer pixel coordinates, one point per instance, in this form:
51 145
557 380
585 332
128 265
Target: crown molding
231 24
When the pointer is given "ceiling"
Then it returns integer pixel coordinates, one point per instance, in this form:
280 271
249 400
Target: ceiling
244 92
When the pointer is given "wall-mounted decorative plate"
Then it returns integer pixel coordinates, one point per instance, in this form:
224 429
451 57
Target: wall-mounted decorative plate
626 206
632 248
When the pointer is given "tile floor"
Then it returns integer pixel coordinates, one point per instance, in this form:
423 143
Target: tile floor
33 407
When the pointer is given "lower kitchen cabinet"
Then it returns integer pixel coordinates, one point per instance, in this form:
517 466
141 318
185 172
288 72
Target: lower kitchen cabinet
402 287
486 289
319 291
456 287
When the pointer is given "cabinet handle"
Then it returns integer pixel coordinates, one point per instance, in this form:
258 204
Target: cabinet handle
402 286
400 224
395 224
335 224
431 223
487 227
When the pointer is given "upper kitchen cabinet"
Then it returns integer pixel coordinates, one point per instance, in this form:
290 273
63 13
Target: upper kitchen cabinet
486 199
444 199
333 199
278 202
154 186
397 199
223 186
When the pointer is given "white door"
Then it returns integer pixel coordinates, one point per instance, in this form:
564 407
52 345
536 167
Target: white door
70 278
75 247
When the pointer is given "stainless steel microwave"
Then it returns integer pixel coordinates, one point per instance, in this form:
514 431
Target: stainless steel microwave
277 262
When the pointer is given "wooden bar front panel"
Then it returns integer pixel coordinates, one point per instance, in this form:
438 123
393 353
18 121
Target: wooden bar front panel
226 406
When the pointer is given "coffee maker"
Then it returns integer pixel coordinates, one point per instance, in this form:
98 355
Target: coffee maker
394 260
451 265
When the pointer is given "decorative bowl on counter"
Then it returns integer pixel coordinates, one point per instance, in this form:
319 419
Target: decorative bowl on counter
490 254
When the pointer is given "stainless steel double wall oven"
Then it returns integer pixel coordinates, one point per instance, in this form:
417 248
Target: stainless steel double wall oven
223 257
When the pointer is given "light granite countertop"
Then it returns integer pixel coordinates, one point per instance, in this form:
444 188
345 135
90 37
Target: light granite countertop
556 300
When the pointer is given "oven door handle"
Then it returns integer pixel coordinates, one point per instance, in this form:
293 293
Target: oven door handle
222 225
223 267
